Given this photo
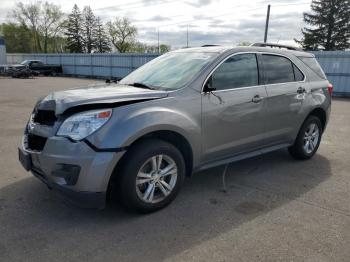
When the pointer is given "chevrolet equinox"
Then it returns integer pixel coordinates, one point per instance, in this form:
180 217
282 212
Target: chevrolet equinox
135 141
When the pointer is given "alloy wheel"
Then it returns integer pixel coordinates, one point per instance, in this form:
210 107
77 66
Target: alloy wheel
156 178
311 137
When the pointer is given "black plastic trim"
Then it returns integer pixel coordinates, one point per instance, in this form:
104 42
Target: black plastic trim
96 149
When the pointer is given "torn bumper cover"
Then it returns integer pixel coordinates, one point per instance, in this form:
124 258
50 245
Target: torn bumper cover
80 170
74 170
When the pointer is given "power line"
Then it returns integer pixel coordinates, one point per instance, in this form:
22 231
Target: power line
226 14
137 5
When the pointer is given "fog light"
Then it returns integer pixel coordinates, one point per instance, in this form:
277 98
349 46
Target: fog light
70 173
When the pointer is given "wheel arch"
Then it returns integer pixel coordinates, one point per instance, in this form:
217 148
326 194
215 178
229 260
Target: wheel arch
172 137
321 114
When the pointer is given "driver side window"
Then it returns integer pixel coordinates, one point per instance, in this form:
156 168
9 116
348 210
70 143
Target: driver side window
237 71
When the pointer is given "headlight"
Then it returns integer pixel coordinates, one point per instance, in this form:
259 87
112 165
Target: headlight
79 126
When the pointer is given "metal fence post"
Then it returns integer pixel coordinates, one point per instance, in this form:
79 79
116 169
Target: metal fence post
110 66
75 65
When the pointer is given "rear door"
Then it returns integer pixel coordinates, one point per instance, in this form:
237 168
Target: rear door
286 90
233 115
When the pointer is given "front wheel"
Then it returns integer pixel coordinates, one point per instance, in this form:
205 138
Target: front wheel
308 139
151 176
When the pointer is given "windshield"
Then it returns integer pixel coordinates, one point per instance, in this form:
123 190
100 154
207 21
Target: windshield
25 62
170 71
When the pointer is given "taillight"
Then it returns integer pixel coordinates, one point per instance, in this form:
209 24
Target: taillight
330 89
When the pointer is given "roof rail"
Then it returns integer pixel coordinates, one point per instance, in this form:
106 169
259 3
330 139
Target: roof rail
277 45
209 45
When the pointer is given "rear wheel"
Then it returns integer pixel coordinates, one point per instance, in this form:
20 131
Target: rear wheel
308 139
151 176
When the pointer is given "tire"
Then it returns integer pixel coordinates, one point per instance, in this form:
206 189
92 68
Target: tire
307 141
140 158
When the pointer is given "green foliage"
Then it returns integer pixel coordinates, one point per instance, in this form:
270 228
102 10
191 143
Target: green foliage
329 26
40 27
244 43
18 38
73 31
89 30
43 19
139 47
164 48
102 41
122 34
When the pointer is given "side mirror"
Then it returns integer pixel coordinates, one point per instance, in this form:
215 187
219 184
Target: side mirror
208 87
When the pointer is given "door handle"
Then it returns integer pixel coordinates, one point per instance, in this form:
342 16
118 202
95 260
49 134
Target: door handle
257 99
301 90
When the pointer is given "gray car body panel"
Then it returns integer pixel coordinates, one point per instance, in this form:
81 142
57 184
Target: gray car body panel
220 127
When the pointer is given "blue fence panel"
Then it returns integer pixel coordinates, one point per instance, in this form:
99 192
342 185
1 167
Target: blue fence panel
91 65
336 65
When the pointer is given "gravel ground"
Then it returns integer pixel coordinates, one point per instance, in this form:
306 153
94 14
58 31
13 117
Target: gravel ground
275 208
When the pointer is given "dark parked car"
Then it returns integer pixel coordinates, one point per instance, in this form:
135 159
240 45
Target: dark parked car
41 68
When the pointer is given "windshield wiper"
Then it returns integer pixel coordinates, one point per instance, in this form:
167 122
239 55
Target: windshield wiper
141 85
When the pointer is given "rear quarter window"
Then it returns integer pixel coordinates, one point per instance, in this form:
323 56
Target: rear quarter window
312 63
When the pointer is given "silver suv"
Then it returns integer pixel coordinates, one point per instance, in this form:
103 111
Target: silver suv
185 111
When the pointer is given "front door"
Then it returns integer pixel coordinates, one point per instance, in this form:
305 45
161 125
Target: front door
233 113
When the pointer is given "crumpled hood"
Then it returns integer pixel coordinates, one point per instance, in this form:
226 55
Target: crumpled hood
103 94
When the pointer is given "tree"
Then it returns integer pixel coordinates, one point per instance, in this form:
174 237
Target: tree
29 15
102 41
18 38
51 22
244 43
89 29
74 31
330 26
164 48
122 34
44 20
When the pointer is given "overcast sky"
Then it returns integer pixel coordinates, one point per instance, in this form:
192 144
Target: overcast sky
208 21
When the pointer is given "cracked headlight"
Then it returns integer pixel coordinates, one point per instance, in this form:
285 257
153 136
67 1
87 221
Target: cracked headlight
81 125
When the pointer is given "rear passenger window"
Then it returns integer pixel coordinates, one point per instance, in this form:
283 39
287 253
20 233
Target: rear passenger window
277 69
237 71
298 74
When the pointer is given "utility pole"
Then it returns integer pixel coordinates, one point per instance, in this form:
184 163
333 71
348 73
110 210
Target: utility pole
187 37
267 22
158 43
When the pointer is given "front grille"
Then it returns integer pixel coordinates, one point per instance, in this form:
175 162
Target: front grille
35 142
45 117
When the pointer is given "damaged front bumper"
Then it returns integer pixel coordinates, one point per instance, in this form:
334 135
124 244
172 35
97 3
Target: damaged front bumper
74 169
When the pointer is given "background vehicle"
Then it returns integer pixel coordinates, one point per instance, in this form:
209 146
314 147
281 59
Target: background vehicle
40 67
185 111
